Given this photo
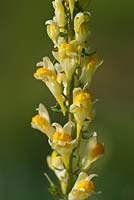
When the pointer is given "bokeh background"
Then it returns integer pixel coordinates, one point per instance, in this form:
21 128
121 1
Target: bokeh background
23 150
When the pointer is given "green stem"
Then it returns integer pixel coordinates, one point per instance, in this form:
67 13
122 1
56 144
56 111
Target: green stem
70 32
70 118
70 176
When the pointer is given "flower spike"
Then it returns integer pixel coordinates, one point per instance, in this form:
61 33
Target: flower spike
68 78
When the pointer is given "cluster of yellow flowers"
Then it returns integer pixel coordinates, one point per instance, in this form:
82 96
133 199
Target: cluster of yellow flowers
68 78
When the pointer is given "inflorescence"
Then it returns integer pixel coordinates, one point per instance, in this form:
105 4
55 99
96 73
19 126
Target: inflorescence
68 77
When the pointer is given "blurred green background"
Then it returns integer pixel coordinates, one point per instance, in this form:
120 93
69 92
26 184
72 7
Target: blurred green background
23 150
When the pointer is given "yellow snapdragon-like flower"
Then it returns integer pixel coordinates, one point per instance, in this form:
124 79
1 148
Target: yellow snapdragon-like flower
41 121
68 58
52 30
83 187
90 65
56 164
81 26
94 151
59 13
62 141
81 107
47 74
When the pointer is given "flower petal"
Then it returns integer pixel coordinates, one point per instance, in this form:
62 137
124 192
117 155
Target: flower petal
57 126
68 127
43 112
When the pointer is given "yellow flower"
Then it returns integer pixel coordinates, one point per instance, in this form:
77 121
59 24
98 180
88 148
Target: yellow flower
94 151
81 107
62 141
68 58
59 13
81 26
41 122
90 65
56 164
47 74
83 187
52 30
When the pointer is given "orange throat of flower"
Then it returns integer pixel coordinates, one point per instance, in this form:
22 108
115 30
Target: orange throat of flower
37 119
87 186
43 71
61 137
82 97
96 151
68 47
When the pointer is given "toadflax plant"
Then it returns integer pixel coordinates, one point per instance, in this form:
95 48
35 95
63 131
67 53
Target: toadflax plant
68 77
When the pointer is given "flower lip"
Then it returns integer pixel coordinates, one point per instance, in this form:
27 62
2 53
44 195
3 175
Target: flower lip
97 151
83 96
37 119
43 71
63 137
66 46
86 186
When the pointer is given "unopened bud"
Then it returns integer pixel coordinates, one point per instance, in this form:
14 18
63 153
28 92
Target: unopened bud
60 13
81 26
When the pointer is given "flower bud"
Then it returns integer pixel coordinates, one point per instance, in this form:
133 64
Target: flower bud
81 26
52 30
71 6
59 13
56 164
